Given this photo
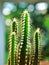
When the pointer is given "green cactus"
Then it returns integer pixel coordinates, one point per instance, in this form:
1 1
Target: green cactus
12 49
24 48
13 44
24 52
14 26
37 45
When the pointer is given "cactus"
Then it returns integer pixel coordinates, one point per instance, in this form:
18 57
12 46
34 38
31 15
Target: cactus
14 26
12 49
37 47
24 52
13 38
24 48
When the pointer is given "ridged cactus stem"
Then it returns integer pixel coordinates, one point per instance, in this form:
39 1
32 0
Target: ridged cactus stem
12 49
13 43
37 47
25 45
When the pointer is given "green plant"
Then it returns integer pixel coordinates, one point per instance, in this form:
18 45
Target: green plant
37 47
25 45
13 44
24 52
12 49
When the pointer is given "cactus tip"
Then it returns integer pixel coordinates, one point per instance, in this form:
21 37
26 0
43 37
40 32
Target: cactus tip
25 11
38 30
14 19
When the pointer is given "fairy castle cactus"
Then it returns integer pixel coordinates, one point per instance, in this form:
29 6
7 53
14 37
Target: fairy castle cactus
37 47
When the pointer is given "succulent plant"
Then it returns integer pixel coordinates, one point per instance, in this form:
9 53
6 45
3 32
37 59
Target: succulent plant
13 44
12 49
25 45
37 47
24 52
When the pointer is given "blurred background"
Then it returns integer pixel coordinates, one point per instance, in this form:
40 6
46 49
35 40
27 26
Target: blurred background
39 13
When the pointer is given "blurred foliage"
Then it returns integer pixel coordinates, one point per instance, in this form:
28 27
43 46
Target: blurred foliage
46 21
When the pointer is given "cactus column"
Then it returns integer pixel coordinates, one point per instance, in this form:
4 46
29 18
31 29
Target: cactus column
13 48
37 49
24 49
